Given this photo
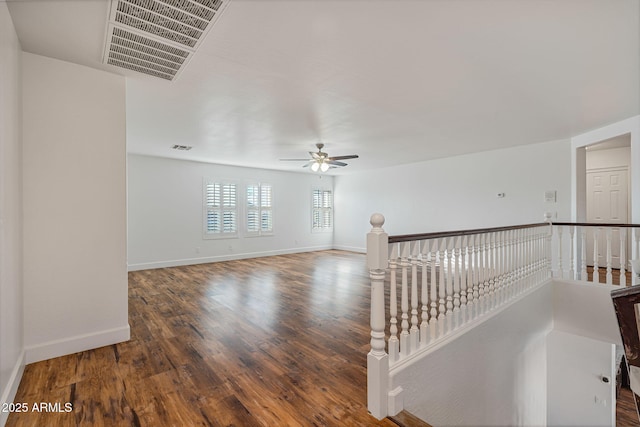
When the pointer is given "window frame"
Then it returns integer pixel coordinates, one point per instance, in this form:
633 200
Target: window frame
260 209
322 211
221 209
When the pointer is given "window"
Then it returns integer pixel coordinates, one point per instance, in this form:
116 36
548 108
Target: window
220 208
322 210
259 209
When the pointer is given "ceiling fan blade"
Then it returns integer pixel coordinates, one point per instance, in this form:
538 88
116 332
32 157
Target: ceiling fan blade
294 160
306 165
352 156
335 163
314 155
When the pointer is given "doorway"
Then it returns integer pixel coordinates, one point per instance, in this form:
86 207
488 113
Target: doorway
607 195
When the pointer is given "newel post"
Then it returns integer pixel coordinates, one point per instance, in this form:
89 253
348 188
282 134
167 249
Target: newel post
377 359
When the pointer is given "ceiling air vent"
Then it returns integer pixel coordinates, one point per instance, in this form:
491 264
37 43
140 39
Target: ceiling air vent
158 37
182 147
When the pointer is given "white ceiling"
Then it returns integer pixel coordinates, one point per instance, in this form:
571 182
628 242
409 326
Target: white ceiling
395 81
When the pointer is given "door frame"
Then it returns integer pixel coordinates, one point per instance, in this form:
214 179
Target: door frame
630 126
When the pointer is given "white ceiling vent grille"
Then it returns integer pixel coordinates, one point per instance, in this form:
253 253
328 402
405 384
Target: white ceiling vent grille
158 37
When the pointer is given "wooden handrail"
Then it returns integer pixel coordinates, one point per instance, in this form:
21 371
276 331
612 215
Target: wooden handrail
440 234
596 224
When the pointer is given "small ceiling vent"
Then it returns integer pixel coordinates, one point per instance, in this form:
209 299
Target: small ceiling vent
182 147
158 37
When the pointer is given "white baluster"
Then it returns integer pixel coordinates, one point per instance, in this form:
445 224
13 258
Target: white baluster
394 343
560 273
521 261
481 273
538 258
449 278
491 239
486 271
542 237
608 234
583 256
476 275
433 318
496 269
516 262
464 274
572 271
623 256
548 251
532 256
596 273
405 348
497 291
489 272
525 259
442 310
471 278
414 331
456 282
507 265
503 266
513 268
536 250
424 325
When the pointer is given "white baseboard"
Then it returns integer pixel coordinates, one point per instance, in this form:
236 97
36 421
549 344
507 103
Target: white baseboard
78 343
9 393
350 249
218 258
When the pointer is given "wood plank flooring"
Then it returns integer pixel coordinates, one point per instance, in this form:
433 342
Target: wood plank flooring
626 415
278 341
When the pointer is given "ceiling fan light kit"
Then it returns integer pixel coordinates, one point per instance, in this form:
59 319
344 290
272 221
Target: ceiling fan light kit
321 161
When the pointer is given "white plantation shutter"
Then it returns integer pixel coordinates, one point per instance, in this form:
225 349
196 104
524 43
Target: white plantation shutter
221 209
259 209
253 208
322 210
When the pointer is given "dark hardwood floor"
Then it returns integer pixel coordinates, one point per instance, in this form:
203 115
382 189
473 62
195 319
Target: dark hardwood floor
278 341
615 275
626 415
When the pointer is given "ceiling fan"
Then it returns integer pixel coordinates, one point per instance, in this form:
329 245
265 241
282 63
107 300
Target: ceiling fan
321 161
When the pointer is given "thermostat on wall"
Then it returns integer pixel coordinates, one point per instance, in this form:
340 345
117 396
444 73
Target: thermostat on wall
550 196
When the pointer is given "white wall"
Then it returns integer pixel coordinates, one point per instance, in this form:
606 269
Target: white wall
74 177
165 213
611 158
576 394
585 309
455 193
11 323
495 374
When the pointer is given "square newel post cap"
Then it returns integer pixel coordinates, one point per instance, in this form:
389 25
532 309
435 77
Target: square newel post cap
377 244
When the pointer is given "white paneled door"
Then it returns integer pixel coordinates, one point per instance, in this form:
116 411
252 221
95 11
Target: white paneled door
607 203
